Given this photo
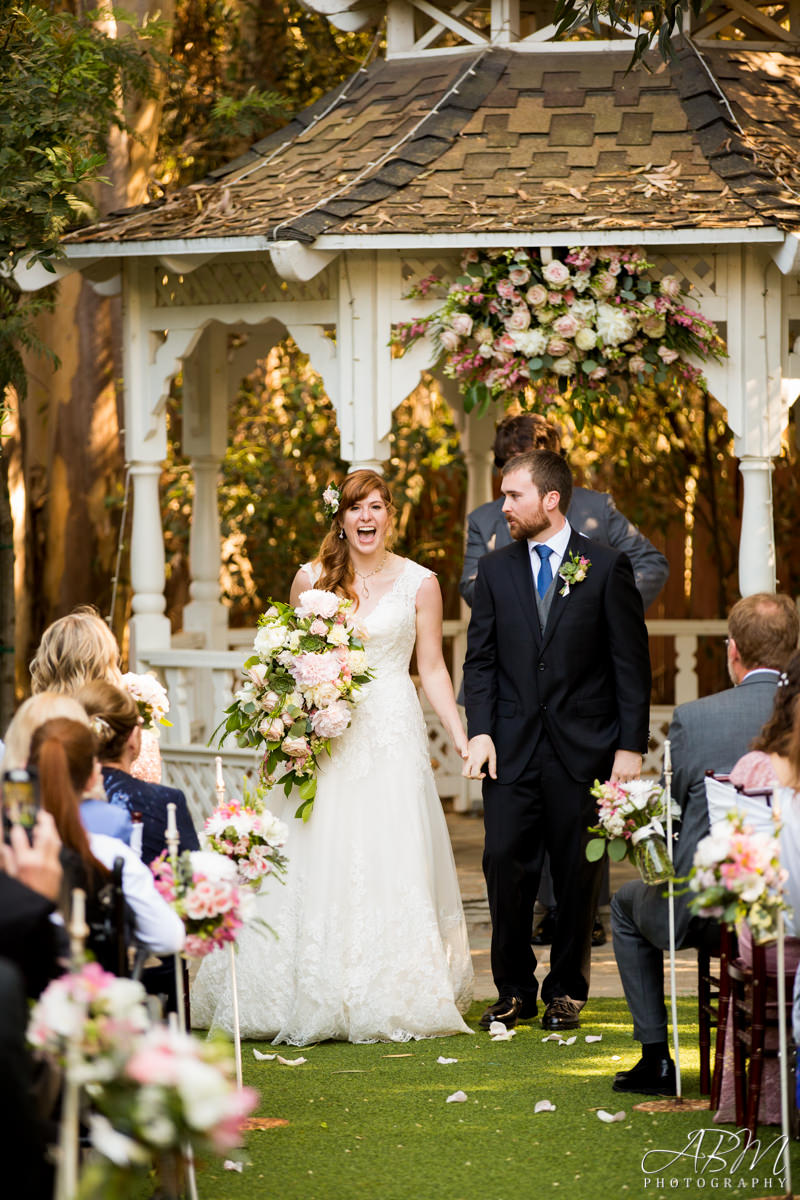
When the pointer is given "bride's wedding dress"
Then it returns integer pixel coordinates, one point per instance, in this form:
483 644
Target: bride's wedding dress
371 941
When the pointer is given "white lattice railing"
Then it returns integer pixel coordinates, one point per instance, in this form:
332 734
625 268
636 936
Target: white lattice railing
201 684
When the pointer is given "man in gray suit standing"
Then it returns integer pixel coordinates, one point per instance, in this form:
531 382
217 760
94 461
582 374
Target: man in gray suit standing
707 734
591 513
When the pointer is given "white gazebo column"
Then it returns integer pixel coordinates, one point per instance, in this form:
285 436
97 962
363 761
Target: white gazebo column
149 627
757 413
366 287
146 450
205 431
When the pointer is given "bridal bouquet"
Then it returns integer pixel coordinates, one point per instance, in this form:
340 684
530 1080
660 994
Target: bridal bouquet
247 833
150 696
202 888
301 685
630 824
737 876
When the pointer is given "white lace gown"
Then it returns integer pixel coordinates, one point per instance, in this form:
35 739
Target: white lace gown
371 940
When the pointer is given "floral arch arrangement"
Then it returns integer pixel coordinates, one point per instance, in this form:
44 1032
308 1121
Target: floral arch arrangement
573 326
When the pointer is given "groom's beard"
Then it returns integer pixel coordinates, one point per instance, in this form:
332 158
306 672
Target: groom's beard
522 528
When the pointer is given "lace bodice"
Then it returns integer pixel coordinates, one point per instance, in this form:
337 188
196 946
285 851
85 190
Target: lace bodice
388 714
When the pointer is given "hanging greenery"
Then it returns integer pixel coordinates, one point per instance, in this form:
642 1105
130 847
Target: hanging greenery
578 326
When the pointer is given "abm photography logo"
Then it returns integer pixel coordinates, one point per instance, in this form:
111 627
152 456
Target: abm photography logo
718 1160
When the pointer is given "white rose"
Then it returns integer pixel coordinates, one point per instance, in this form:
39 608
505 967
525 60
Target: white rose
584 309
555 274
564 366
532 342
357 662
462 324
268 639
586 339
338 636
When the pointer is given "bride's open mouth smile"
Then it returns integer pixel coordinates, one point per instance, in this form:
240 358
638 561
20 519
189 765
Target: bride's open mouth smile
367 535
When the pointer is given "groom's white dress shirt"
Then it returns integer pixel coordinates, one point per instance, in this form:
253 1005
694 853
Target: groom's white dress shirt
558 547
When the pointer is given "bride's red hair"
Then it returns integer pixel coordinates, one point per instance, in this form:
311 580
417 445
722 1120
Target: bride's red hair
334 553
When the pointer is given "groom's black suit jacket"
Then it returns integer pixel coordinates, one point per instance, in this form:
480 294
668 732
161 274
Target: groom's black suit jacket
585 681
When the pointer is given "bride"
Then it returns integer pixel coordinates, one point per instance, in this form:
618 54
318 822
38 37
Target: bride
371 941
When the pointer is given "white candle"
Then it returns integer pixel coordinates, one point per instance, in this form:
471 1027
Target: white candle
78 926
172 824
220 778
667 756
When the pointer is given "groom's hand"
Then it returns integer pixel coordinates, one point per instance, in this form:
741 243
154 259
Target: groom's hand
627 766
480 750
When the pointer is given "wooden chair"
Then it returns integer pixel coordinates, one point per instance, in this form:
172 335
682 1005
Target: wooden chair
713 996
753 1011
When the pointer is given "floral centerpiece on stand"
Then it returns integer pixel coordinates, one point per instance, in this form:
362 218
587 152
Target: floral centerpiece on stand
151 698
301 685
584 322
246 832
631 819
203 889
737 876
152 1094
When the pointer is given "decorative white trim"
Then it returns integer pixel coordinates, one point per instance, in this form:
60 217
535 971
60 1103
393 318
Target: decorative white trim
294 261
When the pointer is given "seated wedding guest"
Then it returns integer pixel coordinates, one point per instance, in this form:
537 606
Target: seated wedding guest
97 815
117 727
63 754
707 734
80 647
774 761
30 949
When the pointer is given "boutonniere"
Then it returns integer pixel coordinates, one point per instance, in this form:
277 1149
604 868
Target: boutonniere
574 570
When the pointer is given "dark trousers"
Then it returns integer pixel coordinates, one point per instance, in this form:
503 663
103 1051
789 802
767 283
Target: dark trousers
22 1147
544 810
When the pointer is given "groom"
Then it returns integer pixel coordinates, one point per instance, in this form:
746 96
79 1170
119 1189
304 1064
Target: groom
557 688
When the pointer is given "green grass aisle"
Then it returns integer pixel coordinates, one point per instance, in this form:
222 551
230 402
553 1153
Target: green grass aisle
373 1122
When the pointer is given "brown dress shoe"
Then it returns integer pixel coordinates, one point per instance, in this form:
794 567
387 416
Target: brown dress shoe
562 1013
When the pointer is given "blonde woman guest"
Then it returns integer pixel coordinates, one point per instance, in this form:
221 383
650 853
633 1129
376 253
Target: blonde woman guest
97 815
371 941
76 649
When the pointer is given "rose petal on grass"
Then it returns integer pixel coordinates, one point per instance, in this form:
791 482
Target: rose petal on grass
608 1117
263 1057
291 1062
446 1061
505 1036
593 1037
230 1165
544 1106
497 1027
456 1098
554 1037
570 1041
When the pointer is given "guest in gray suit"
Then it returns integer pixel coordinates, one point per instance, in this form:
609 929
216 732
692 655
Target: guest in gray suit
591 513
707 734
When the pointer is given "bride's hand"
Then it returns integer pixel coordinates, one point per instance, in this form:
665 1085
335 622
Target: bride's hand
459 739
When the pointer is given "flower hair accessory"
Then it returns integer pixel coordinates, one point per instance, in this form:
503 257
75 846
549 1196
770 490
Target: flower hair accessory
574 570
783 680
101 729
331 499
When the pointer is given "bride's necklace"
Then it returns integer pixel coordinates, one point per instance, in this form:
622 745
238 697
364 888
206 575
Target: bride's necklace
364 576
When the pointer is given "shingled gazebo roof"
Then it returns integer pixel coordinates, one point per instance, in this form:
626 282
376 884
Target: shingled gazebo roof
494 140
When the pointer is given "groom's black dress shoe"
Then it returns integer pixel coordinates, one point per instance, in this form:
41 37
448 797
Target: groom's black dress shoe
562 1013
654 1077
509 1010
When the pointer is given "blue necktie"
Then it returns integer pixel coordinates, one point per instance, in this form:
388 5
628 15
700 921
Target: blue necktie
545 570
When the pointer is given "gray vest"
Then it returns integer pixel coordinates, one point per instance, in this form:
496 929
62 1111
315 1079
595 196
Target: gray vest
543 602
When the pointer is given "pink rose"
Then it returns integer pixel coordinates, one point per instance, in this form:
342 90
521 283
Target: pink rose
597 374
555 274
519 276
654 325
603 284
318 602
667 355
462 324
505 345
536 295
449 339
636 364
296 747
519 320
311 669
199 900
272 730
506 290
557 347
566 326
318 627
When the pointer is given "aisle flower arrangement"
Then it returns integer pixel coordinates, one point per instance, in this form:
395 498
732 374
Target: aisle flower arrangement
737 876
588 322
631 819
302 684
150 696
202 888
247 833
152 1093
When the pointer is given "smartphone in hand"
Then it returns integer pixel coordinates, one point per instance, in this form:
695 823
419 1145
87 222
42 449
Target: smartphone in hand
20 799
